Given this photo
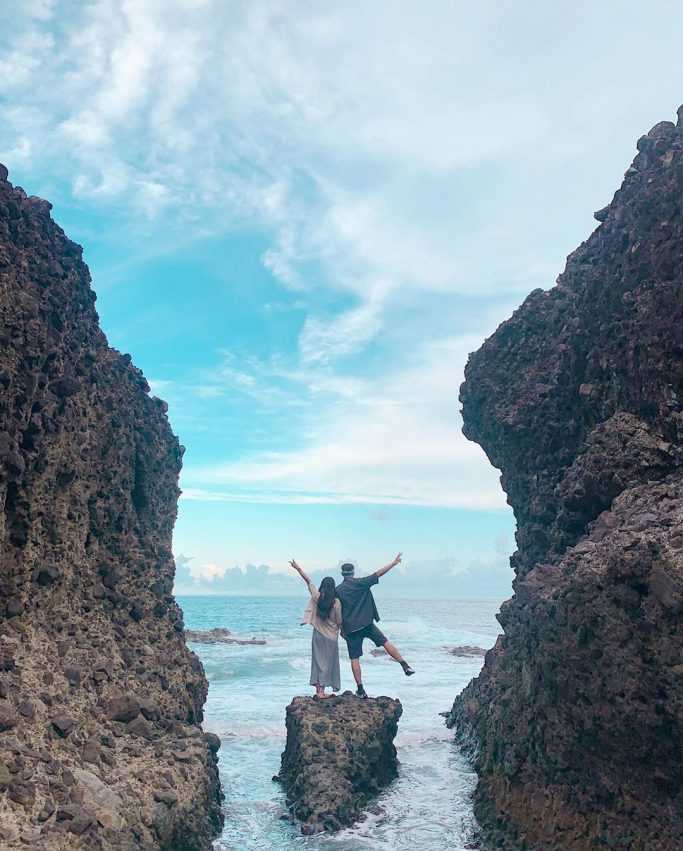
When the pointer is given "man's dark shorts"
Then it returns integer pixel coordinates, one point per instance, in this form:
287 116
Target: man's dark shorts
354 640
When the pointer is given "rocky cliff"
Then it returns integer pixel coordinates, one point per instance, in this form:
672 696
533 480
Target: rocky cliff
339 754
576 722
100 699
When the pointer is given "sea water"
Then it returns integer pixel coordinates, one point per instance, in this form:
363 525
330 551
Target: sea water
428 807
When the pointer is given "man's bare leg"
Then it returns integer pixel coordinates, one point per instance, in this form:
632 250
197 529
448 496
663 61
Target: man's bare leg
392 650
355 667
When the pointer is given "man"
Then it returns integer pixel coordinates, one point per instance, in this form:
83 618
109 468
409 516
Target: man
359 613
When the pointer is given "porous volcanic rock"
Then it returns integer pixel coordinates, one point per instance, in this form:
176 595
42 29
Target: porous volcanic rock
339 754
99 695
575 722
218 635
466 650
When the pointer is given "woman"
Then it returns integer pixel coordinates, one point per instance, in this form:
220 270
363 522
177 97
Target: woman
324 615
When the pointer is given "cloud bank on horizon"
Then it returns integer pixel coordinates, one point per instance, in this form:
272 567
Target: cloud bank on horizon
324 208
481 579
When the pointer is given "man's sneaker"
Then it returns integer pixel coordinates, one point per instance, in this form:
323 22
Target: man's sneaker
407 670
360 692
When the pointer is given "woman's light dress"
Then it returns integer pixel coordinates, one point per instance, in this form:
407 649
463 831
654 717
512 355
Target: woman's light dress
324 644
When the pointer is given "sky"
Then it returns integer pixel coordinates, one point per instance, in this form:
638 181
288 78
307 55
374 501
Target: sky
300 219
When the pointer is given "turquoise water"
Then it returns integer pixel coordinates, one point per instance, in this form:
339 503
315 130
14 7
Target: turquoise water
428 806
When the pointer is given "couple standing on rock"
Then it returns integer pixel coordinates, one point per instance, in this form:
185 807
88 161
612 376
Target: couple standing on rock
349 607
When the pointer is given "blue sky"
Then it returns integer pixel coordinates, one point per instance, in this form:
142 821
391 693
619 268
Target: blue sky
300 219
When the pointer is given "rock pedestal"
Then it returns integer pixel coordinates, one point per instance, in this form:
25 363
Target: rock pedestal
100 699
576 721
340 753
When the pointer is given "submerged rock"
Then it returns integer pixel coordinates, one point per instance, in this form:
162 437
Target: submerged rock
467 650
576 721
218 635
90 634
339 754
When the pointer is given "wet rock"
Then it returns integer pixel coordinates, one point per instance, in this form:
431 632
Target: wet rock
339 754
219 635
467 650
577 399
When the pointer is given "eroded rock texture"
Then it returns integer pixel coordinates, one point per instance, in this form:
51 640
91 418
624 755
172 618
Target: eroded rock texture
339 754
576 719
100 700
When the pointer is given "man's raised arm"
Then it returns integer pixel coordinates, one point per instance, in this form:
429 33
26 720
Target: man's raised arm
387 567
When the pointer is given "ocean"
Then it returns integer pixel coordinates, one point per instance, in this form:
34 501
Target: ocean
428 807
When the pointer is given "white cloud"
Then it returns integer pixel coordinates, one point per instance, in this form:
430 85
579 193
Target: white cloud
42 10
207 571
161 386
394 145
21 62
394 440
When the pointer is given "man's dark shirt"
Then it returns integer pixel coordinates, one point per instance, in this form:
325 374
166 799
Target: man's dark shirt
358 604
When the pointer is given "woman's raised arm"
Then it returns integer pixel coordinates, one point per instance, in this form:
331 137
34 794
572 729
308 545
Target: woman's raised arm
300 571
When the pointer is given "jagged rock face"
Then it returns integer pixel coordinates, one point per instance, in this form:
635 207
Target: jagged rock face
339 754
576 721
100 699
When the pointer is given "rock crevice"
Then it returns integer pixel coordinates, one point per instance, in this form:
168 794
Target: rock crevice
575 722
100 699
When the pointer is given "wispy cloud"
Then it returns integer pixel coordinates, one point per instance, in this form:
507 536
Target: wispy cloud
379 141
393 439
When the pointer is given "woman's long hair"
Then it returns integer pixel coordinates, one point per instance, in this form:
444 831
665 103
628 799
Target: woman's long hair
328 592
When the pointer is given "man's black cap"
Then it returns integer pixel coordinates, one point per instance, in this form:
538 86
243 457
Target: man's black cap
347 569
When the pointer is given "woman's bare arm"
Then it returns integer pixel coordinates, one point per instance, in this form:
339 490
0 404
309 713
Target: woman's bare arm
300 571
